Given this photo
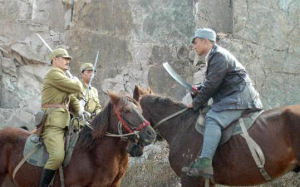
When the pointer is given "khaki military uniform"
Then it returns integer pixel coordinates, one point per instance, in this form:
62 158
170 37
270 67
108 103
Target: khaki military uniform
58 93
92 101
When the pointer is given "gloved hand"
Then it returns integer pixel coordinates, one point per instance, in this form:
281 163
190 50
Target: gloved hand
76 79
87 115
81 107
195 91
80 112
82 104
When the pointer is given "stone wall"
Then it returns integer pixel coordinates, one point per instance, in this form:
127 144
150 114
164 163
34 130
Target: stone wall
135 37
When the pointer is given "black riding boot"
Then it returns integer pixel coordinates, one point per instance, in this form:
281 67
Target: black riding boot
47 175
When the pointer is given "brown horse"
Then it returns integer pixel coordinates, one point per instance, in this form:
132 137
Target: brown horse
276 131
97 160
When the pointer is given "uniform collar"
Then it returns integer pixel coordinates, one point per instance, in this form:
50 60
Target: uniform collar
58 69
211 52
84 84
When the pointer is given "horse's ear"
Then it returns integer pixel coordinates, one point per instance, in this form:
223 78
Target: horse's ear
114 97
149 90
136 93
139 91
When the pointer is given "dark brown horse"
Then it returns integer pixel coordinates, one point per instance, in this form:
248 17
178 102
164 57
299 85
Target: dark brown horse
97 160
276 131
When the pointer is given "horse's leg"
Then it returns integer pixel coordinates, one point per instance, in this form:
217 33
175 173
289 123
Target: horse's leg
2 178
187 181
117 180
7 182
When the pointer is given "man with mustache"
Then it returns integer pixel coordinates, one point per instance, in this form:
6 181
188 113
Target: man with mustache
57 96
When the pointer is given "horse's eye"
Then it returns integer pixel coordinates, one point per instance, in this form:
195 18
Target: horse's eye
126 110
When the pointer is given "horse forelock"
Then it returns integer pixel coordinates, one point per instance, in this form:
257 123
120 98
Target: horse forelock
127 99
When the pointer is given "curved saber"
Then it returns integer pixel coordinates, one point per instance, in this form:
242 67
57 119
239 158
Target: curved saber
50 49
178 78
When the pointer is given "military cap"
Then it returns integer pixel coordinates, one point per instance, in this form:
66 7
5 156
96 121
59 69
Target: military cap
60 52
205 33
86 66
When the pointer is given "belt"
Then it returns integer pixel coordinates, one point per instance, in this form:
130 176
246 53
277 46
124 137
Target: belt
54 106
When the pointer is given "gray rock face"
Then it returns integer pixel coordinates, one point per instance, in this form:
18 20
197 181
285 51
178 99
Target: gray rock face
136 36
217 14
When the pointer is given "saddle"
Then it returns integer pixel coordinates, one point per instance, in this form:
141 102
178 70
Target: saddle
248 118
36 154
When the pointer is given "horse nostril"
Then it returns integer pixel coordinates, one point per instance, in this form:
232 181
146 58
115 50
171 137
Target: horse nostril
149 133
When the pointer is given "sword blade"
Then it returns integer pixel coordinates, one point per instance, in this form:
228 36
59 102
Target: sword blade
177 77
45 43
50 49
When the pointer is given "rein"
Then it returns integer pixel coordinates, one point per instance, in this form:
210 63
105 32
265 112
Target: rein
169 117
121 124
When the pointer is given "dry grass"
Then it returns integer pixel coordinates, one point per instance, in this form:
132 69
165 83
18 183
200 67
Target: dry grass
151 174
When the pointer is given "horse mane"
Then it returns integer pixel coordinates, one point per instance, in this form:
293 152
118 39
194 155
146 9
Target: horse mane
87 136
188 115
163 100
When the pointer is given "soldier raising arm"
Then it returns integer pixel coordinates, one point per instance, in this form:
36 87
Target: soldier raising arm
56 91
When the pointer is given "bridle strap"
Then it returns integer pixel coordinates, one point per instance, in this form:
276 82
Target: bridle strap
143 125
169 117
124 124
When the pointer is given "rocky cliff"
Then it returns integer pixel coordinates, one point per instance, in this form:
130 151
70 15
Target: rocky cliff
135 37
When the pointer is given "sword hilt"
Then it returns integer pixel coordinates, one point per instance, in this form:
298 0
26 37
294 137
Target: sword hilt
195 90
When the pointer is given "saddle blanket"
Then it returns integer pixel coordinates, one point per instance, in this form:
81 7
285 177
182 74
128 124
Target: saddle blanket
39 153
233 129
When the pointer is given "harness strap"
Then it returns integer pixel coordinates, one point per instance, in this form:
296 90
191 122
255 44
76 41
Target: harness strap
256 152
169 117
121 135
123 122
61 176
23 161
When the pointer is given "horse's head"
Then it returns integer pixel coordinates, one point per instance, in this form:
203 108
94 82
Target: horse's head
129 114
138 93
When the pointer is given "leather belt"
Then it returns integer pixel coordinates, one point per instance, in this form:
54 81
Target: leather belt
54 106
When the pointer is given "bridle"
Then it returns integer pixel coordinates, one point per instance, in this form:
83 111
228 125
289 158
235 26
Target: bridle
131 131
169 117
126 126
122 123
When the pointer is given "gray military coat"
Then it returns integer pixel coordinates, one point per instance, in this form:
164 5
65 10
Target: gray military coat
227 83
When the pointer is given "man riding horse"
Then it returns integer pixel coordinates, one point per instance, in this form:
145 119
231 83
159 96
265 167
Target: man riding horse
92 104
58 93
231 89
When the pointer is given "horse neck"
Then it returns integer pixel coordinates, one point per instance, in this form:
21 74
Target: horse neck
158 110
292 118
105 121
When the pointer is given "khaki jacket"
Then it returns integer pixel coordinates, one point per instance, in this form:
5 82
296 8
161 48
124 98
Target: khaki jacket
60 89
92 101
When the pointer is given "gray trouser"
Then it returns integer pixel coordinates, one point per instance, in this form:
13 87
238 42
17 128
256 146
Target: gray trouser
214 123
